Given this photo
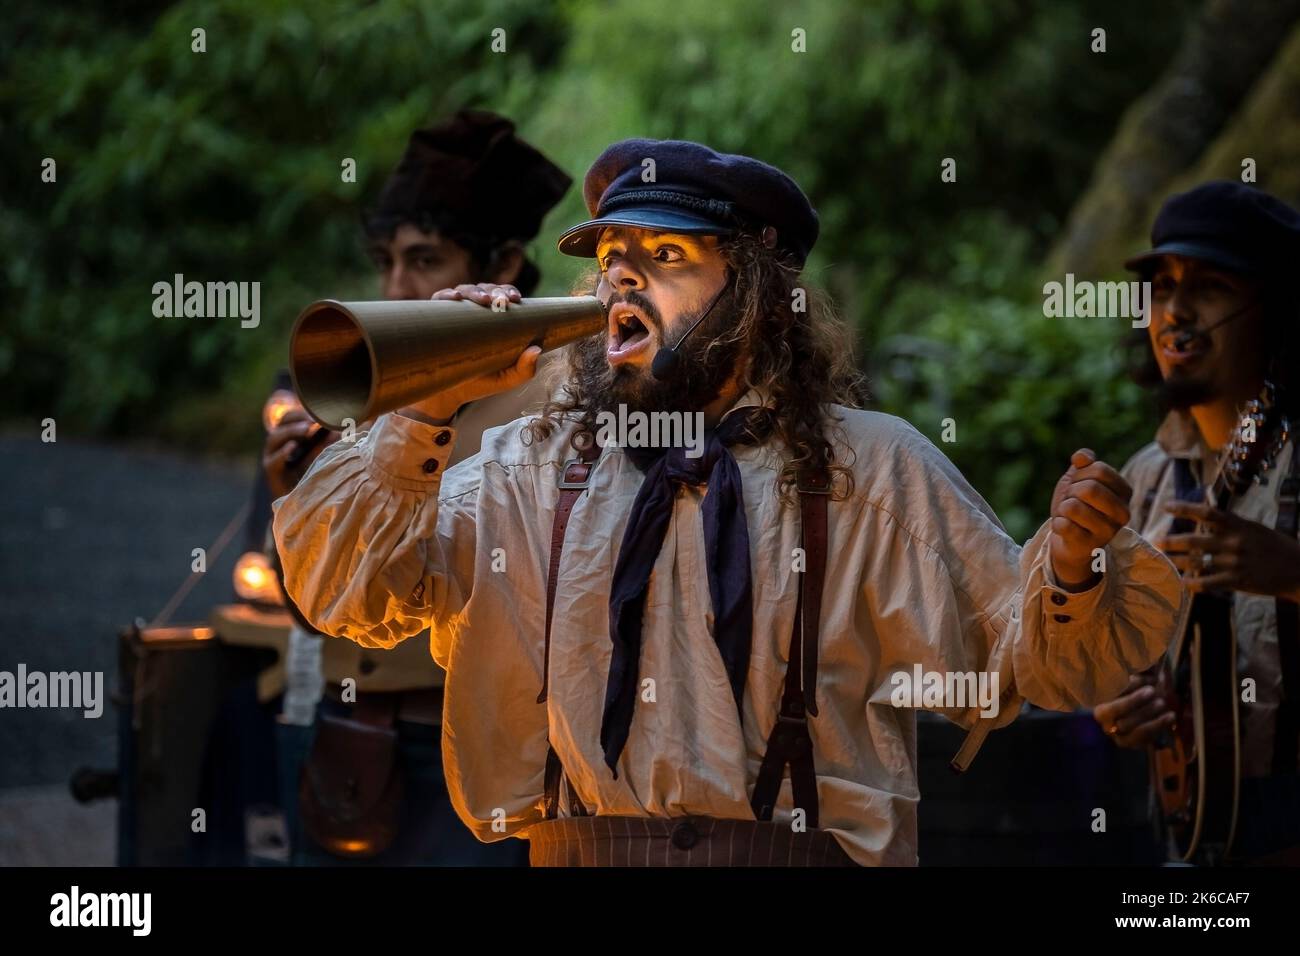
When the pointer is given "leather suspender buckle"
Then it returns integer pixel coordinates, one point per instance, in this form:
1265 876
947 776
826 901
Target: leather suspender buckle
813 482
797 725
576 474
792 708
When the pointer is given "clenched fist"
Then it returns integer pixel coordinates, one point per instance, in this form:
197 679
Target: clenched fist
1089 507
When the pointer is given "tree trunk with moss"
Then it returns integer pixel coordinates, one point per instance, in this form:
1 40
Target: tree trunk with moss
1164 136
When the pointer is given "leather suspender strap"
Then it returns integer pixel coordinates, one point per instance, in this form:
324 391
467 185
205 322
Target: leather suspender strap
790 743
554 774
814 491
573 482
1286 737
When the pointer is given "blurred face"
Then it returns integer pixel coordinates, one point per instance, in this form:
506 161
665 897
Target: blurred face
415 264
1224 362
654 286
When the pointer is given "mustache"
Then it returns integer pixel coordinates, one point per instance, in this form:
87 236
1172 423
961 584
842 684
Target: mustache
635 298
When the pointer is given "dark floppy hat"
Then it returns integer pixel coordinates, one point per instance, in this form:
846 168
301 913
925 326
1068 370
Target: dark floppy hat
472 175
684 187
1228 224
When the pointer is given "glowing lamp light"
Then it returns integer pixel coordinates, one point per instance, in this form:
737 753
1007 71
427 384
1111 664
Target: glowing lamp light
281 402
354 847
255 581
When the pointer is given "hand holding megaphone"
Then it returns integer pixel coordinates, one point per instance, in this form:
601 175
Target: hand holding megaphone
438 408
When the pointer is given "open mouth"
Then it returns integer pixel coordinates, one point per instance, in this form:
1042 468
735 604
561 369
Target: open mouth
628 333
1183 346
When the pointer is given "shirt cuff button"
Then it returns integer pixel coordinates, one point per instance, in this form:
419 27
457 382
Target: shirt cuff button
442 438
1058 598
430 466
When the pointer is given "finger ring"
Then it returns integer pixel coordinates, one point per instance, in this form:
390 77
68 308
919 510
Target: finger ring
1113 729
1206 561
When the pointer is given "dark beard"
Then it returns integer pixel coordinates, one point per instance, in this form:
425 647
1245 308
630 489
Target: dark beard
696 379
1179 393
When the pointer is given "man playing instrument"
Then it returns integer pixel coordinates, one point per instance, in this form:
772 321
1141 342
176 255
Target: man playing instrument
1224 320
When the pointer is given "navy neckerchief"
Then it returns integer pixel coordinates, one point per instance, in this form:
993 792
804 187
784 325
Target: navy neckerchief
726 545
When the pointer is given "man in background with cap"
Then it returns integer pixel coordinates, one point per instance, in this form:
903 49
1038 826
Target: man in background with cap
1225 320
641 638
464 199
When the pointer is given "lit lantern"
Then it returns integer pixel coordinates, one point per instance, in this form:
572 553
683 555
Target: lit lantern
281 402
255 581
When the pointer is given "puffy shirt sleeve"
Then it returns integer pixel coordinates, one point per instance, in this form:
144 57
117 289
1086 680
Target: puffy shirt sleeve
994 607
369 551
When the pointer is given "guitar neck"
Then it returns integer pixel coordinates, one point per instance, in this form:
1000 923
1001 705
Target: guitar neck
1219 496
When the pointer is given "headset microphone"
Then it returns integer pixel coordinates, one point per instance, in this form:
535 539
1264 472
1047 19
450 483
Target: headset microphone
666 360
1188 336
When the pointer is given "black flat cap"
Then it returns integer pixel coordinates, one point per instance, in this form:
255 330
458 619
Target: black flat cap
694 190
1228 224
471 175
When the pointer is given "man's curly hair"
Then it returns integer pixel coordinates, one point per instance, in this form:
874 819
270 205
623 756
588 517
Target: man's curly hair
793 347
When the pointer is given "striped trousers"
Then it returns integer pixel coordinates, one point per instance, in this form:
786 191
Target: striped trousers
678 841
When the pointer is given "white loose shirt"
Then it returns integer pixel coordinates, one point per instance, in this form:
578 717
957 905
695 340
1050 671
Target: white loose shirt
378 544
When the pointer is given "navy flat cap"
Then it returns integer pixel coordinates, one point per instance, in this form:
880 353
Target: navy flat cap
1228 224
695 191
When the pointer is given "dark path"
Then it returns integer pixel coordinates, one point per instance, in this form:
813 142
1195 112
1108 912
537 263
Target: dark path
91 537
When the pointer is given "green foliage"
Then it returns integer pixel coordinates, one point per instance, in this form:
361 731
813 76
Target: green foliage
1021 391
222 165
225 165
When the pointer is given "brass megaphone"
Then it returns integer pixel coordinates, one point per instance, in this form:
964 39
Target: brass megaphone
356 360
